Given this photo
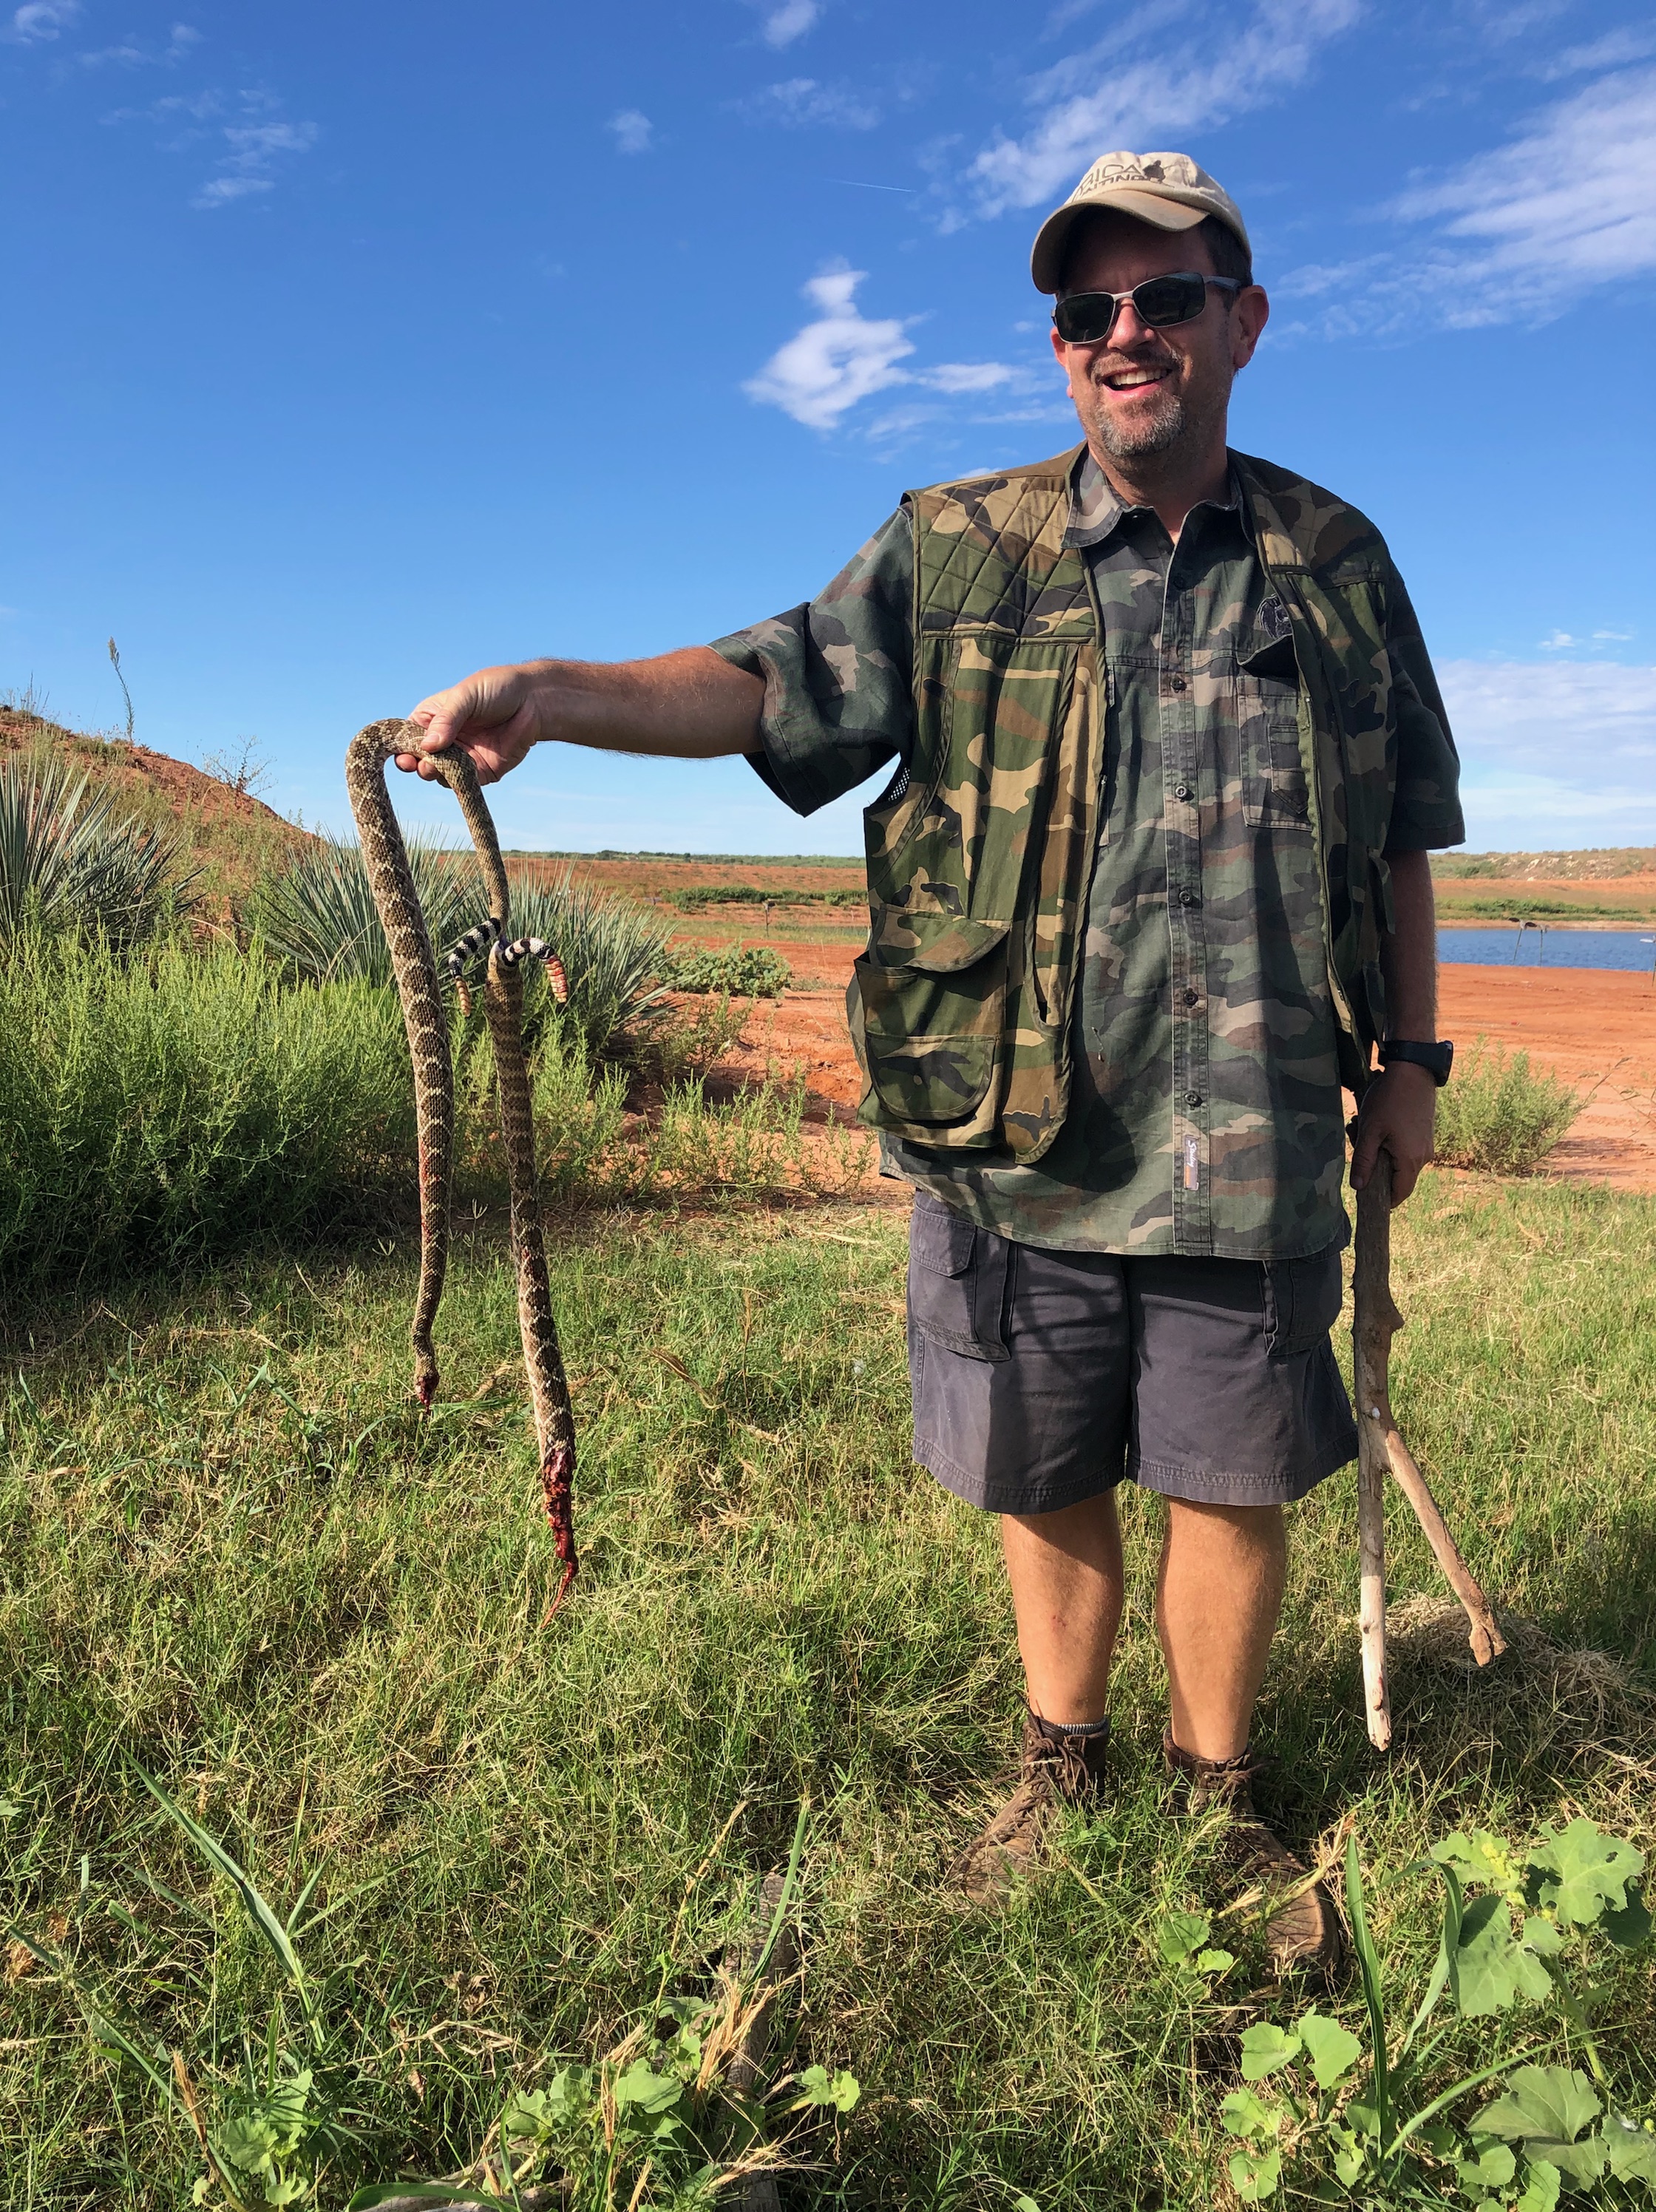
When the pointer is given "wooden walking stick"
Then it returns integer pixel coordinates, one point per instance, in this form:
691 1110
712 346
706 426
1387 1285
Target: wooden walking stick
1376 1320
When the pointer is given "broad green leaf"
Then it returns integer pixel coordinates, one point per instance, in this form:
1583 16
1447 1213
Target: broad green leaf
651 2092
1491 1966
287 2190
1349 2155
1481 1858
1179 1934
248 2143
1545 2184
1629 2150
1543 1936
1581 1870
1546 2108
1333 2050
1492 2169
1025 2204
1629 1927
818 2087
1253 2179
1214 1962
1265 2048
1245 2114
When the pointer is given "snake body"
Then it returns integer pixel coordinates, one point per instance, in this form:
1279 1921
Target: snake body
425 1018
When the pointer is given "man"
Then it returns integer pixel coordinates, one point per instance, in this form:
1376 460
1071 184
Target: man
1150 882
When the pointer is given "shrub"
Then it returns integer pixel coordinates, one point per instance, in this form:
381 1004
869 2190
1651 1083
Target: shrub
160 1110
317 918
614 959
750 972
1497 1114
69 865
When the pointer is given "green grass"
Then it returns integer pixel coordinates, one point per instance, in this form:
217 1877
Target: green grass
156 1109
230 1553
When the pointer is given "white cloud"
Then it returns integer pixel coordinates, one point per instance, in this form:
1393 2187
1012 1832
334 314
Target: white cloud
1133 86
248 167
790 21
1557 752
801 99
38 21
834 361
1522 231
970 375
182 39
1610 51
632 130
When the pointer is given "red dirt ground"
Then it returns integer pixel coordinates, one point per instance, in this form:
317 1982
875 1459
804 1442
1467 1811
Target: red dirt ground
1597 1029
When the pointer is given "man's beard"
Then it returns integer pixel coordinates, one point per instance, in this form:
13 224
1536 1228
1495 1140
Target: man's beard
1164 429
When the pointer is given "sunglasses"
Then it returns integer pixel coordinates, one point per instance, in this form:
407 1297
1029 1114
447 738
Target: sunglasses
1088 318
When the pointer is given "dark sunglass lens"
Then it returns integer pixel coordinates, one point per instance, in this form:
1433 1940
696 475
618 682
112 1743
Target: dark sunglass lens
1085 318
1167 300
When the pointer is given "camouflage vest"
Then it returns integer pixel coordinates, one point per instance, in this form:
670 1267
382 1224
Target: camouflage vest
980 855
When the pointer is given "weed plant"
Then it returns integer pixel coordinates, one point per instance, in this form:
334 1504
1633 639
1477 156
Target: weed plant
749 971
1499 1114
155 1111
234 1554
73 867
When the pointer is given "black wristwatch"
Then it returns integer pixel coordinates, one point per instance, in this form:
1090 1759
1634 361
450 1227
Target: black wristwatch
1436 1058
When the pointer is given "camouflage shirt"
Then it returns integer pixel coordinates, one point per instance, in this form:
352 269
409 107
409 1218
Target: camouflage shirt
1206 1115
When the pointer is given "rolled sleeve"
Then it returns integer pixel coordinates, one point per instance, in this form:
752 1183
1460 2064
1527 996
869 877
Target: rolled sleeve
1426 814
838 675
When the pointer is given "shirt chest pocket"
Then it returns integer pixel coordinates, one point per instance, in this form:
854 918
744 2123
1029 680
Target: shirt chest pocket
1267 706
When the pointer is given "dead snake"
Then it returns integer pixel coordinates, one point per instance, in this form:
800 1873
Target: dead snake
426 1019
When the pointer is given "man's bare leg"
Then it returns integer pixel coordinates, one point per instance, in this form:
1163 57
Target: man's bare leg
1065 1572
1218 1594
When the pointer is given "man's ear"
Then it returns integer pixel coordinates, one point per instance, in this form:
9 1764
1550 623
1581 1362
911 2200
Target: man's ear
1248 318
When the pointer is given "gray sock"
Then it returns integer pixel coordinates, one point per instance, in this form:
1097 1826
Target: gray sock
1071 1728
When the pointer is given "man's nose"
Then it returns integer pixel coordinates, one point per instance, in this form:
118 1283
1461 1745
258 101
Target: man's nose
1131 329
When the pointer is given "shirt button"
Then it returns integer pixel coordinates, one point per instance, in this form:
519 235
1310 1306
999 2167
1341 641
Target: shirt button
1191 997
1188 898
1175 683
1183 791
1192 1098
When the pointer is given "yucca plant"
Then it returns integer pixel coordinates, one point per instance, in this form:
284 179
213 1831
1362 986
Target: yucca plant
70 864
317 918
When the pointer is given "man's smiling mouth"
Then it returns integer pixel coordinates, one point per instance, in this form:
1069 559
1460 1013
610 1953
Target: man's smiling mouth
1131 380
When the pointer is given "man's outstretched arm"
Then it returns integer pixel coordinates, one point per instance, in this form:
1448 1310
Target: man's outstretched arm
694 705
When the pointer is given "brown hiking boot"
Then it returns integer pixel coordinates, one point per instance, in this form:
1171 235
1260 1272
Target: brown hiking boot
1303 1934
1057 1769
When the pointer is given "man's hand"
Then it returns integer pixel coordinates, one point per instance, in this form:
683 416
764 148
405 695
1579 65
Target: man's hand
1398 1110
497 716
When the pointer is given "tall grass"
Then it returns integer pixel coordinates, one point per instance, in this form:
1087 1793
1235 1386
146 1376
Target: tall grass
1499 1114
155 1111
71 864
233 1554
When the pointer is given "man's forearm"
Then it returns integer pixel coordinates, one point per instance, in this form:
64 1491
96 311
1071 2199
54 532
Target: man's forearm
694 705
1409 955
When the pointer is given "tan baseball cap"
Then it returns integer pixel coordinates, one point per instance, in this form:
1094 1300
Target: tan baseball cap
1167 190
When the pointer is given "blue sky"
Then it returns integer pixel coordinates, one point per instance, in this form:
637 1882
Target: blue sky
348 348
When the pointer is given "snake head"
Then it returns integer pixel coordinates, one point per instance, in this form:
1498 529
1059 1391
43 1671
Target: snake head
425 1385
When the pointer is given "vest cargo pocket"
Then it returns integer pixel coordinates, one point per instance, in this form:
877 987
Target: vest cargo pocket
929 1033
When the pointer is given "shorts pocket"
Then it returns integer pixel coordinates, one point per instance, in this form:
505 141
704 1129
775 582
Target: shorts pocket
959 1277
1302 1300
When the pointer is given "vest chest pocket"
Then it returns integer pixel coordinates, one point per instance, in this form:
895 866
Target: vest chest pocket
928 1032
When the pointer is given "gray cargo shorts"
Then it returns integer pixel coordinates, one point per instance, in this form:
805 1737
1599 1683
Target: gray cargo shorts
1042 1379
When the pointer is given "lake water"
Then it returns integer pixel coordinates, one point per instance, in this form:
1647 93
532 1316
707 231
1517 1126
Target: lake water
1502 947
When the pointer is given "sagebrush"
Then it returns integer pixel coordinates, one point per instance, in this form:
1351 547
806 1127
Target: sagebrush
1499 1114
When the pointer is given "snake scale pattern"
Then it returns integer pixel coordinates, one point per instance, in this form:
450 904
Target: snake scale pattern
425 1017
